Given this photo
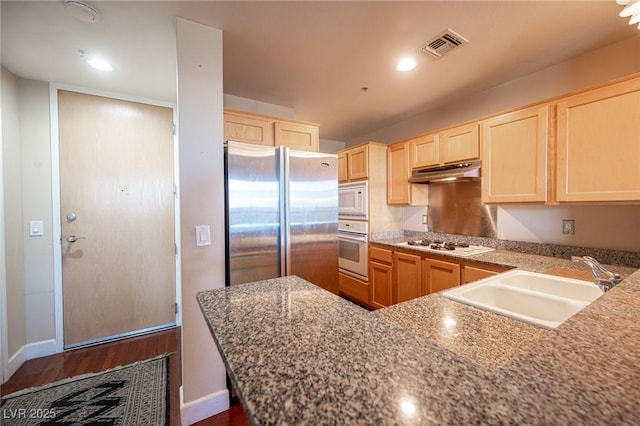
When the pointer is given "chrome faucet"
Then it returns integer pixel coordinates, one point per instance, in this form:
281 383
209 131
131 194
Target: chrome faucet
597 270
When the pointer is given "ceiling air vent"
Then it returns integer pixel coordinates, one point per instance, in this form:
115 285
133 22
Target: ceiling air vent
444 43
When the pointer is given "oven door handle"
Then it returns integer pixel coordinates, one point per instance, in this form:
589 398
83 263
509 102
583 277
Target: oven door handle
352 237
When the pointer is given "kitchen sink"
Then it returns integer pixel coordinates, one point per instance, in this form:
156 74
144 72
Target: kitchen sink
539 299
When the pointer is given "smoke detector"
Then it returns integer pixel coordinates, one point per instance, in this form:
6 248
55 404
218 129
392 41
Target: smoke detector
444 43
82 11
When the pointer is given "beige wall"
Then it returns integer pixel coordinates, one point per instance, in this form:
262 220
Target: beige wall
37 198
13 223
610 62
200 133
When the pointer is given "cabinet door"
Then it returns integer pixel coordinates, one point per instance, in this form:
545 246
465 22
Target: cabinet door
514 156
407 276
342 167
398 189
297 136
242 128
459 144
424 151
471 274
358 163
380 284
598 144
439 275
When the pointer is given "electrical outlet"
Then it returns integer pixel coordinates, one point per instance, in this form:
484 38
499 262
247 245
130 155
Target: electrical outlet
568 226
424 219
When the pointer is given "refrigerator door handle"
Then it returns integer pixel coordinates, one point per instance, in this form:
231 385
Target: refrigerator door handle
285 233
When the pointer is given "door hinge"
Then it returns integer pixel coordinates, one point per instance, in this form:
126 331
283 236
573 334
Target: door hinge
176 309
175 189
175 248
173 129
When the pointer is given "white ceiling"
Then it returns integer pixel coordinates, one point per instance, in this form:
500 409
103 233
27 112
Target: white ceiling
312 56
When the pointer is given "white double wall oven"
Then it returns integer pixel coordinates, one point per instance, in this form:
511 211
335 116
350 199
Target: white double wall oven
353 229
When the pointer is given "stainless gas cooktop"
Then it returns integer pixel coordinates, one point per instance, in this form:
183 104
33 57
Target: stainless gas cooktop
446 247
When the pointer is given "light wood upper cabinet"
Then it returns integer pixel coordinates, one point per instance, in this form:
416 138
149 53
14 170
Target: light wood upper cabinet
424 151
353 164
342 167
270 131
460 143
399 190
398 174
297 135
598 145
358 162
248 128
514 156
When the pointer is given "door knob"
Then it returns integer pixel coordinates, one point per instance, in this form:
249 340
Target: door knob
73 238
71 217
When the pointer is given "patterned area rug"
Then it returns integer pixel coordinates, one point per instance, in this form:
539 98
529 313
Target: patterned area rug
135 394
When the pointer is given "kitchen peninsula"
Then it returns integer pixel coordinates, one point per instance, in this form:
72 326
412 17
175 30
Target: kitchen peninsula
300 355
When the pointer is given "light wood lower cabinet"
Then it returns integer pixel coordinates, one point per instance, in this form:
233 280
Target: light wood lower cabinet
439 275
380 285
353 289
380 277
470 274
407 276
398 276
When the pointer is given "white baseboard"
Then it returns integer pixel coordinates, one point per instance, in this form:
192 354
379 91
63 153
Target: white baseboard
202 408
15 361
42 348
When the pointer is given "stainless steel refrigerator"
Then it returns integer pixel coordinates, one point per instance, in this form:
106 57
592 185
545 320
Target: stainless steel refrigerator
281 214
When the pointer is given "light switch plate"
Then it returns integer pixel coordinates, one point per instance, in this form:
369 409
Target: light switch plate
203 235
36 228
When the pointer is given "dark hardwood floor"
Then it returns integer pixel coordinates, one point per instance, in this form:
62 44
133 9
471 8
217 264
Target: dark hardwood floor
102 357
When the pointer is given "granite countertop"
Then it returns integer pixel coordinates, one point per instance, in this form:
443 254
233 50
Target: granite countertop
300 355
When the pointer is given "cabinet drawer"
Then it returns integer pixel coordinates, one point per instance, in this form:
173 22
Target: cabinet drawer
355 289
380 255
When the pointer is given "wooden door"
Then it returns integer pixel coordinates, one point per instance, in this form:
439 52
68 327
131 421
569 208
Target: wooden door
117 202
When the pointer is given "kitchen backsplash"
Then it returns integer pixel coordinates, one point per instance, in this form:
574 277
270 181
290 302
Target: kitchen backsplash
606 256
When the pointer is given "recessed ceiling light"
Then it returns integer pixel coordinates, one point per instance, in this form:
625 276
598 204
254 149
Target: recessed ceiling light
99 64
95 62
406 64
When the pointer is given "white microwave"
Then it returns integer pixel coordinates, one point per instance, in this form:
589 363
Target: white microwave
353 200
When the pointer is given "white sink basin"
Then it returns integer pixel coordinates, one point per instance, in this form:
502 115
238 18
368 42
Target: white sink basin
542 300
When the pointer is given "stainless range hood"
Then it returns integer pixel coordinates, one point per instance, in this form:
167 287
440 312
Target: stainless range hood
467 170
